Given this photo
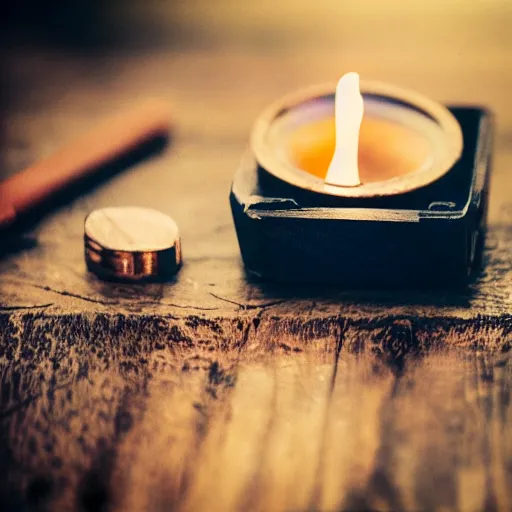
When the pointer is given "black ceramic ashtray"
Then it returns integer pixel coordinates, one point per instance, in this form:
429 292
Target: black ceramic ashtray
430 236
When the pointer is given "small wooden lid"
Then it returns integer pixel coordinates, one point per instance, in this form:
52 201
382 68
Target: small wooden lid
132 243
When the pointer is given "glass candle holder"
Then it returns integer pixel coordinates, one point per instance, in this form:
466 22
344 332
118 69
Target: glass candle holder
406 140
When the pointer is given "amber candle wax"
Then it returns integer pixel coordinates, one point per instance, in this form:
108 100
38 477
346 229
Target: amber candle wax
386 149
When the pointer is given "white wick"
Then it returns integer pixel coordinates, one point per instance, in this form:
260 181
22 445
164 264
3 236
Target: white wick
343 169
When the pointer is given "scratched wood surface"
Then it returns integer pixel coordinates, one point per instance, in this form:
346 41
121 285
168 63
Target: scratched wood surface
213 392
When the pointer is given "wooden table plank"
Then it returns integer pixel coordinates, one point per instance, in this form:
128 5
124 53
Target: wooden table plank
212 277
155 429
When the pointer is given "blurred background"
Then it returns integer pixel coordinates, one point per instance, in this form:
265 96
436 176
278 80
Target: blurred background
224 60
393 26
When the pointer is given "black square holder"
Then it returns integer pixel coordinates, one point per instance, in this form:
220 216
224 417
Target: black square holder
430 237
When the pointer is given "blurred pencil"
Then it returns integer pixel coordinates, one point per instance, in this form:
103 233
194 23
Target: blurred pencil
109 140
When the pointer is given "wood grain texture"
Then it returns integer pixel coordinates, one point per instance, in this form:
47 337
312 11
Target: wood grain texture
323 426
213 392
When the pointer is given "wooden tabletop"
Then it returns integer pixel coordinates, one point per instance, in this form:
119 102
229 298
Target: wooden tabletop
214 392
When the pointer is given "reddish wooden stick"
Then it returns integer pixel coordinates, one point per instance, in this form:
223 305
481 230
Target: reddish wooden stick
112 138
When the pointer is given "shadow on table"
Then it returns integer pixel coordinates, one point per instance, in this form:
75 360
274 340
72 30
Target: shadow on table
456 298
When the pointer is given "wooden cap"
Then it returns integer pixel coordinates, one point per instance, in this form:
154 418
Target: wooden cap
132 243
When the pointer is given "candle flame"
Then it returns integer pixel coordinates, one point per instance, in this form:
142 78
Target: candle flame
343 169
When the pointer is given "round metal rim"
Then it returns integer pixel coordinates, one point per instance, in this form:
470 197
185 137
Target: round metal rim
132 266
270 162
